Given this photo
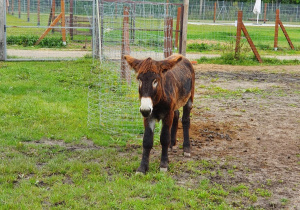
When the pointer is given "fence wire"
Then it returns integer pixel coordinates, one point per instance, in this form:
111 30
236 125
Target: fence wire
113 99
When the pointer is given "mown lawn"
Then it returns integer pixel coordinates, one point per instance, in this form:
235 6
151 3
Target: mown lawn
51 159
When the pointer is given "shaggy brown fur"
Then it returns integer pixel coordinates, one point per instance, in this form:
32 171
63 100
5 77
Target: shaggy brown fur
166 85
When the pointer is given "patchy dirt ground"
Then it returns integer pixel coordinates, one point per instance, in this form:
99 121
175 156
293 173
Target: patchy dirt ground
249 117
246 126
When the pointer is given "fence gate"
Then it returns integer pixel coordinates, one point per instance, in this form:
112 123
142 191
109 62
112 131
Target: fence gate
49 30
141 29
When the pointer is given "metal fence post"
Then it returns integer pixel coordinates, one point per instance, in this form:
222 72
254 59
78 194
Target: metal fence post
2 30
184 28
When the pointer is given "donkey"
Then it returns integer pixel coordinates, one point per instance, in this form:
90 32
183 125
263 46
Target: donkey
164 87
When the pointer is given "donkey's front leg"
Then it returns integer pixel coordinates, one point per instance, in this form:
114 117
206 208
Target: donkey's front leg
165 139
149 125
186 126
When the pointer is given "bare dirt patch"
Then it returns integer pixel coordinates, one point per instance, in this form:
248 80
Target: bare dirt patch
85 144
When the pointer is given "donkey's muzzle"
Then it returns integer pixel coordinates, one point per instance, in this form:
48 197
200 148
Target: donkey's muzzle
146 106
145 113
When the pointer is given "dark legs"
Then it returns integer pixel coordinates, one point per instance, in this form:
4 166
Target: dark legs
167 137
149 125
174 129
165 140
186 126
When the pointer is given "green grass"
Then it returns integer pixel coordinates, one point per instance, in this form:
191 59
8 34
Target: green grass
246 60
201 38
47 163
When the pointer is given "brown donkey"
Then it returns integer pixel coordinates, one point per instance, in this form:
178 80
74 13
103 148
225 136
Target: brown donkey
164 87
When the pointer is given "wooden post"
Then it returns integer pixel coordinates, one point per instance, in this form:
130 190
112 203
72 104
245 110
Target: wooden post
38 13
52 14
265 12
254 50
2 31
48 29
168 35
125 71
71 19
241 26
181 28
7 5
177 26
63 21
54 22
28 10
19 8
132 25
286 35
185 25
238 33
276 30
215 11
12 7
53 10
278 22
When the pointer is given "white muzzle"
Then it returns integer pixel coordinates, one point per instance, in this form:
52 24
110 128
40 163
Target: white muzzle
146 106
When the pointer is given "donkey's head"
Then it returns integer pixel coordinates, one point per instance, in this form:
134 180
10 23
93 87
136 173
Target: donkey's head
150 75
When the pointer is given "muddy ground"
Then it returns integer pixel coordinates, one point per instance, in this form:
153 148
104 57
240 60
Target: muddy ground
256 132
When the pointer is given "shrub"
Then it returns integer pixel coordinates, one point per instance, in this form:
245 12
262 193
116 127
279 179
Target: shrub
30 40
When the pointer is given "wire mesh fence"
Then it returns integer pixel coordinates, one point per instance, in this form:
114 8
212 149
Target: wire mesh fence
49 29
127 28
212 26
227 11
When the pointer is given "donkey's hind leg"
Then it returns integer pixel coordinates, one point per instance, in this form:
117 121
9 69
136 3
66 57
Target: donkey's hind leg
186 126
174 129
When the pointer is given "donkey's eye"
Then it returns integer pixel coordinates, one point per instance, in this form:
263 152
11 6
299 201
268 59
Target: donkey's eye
154 83
140 83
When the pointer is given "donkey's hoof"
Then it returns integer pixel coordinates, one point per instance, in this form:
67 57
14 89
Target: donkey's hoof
163 169
187 154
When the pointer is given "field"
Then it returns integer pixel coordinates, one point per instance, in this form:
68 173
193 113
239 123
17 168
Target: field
210 39
245 137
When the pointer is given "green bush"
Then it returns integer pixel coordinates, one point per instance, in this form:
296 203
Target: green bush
30 40
197 47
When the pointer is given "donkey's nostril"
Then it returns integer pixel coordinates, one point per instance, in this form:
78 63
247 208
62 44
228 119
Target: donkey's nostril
145 113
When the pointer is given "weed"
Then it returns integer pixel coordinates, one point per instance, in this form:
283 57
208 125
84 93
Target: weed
263 192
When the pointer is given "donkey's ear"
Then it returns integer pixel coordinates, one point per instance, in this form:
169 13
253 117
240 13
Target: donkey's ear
134 63
169 62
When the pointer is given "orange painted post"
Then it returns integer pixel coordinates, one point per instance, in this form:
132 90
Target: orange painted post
125 71
63 22
38 13
53 10
49 29
215 11
265 13
276 30
177 26
28 10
